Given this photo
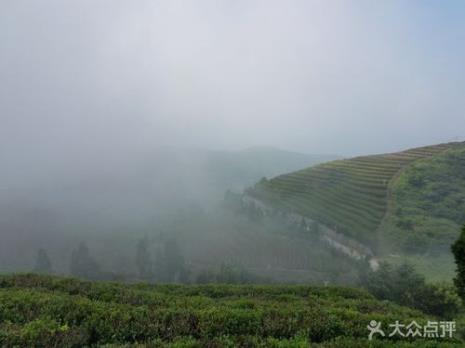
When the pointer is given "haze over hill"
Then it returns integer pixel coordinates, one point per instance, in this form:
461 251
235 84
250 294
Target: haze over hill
355 209
124 194
89 89
235 142
148 183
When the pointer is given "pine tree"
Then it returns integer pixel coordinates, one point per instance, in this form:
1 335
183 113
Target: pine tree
173 261
83 265
43 263
143 261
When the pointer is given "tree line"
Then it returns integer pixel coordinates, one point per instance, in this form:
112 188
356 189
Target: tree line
168 265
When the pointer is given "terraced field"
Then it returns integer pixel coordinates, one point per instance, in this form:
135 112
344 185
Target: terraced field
350 196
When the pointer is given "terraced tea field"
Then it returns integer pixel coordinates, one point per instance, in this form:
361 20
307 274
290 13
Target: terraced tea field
349 196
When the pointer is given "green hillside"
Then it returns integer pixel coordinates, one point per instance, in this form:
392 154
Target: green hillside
43 311
357 196
427 205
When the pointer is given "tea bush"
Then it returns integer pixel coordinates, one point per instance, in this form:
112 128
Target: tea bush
46 311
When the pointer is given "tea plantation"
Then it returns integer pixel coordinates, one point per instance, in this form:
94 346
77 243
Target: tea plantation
47 311
351 196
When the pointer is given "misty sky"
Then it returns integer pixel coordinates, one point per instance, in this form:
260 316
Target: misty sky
87 77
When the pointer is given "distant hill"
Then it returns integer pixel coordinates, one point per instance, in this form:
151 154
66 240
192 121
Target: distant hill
152 182
408 201
239 169
125 193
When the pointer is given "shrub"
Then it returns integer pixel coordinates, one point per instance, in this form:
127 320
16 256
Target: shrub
404 286
458 249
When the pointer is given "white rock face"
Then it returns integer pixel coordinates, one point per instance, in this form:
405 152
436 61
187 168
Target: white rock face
336 240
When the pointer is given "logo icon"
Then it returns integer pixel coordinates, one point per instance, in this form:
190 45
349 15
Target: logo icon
375 328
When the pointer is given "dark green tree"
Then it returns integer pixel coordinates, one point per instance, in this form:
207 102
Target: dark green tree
403 285
43 263
143 260
458 249
83 265
174 264
394 283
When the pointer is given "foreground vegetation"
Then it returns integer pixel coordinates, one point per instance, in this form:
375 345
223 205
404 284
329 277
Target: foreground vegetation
46 311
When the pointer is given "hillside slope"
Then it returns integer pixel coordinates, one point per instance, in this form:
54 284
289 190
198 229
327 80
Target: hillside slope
354 196
42 311
427 203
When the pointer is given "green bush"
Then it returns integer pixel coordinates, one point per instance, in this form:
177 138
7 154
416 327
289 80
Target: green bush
44 311
403 285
